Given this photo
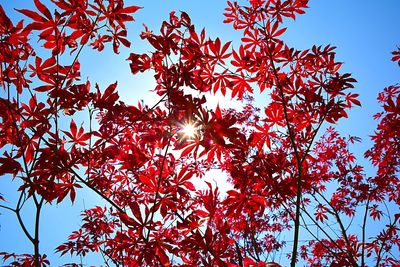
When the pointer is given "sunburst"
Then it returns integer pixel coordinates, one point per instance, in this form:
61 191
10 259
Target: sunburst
189 130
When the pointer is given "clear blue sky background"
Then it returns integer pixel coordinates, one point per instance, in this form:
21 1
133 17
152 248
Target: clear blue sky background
364 31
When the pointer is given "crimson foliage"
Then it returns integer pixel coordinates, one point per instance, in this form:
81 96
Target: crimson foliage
147 166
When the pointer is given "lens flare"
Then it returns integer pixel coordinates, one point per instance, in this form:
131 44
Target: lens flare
189 130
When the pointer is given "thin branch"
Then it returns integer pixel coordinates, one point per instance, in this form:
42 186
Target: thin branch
335 213
363 234
20 221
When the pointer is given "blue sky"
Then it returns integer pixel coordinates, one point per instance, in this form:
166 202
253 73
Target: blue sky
364 31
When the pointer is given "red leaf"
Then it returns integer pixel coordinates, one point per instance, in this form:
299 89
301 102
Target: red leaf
396 56
9 165
136 211
43 9
33 15
127 220
162 256
189 186
130 9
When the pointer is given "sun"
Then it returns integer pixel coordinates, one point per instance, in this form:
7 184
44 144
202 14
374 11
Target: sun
189 130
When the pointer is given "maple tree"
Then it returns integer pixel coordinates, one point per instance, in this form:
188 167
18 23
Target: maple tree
286 169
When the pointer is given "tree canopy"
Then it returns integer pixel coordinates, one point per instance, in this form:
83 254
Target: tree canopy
289 171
